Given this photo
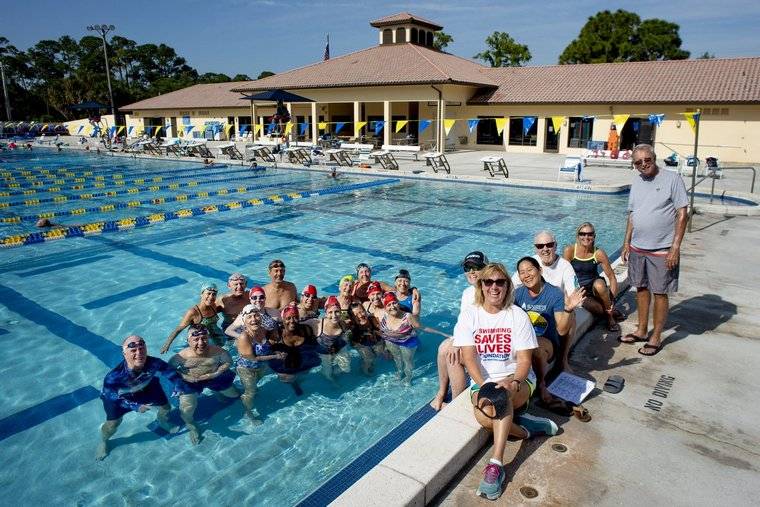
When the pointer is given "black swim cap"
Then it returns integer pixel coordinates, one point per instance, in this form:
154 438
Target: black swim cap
498 396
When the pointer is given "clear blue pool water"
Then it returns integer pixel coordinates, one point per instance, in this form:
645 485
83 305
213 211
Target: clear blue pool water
66 305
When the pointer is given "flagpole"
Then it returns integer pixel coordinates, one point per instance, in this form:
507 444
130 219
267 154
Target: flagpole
697 117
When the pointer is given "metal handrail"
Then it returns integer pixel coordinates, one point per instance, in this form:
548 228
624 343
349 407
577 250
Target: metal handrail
711 174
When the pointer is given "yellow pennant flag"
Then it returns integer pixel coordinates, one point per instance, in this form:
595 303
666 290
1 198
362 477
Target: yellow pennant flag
121 129
158 129
401 124
619 120
288 128
447 124
228 128
557 122
140 131
358 127
256 129
500 124
692 119
322 125
181 132
44 126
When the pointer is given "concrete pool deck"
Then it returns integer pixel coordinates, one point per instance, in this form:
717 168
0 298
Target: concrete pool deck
682 430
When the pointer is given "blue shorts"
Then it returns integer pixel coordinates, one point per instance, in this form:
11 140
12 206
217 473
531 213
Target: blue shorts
220 383
153 394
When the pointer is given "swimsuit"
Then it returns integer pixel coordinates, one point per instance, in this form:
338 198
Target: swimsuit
406 303
366 336
586 270
330 344
259 349
404 336
214 333
298 358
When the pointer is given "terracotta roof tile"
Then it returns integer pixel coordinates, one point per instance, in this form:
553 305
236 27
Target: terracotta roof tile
391 64
673 81
404 17
196 96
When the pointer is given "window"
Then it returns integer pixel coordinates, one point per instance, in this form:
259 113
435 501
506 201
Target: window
518 136
487 132
414 36
400 35
429 41
387 36
579 131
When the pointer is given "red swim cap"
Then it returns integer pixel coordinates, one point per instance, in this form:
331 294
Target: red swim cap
332 301
389 297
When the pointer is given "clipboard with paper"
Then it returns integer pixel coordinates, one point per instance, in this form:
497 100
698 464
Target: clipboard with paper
571 388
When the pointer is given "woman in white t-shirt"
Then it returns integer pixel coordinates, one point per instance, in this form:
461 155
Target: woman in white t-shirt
497 341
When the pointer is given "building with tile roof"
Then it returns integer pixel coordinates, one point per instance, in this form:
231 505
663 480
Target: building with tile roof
404 91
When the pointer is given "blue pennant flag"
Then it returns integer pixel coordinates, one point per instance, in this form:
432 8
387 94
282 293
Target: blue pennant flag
188 128
129 130
244 129
379 127
270 127
656 119
471 124
304 127
424 124
111 131
80 129
339 126
528 122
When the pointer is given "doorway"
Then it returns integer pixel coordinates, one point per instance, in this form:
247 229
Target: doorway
551 138
636 131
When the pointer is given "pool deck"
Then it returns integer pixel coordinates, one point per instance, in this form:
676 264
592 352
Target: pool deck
688 440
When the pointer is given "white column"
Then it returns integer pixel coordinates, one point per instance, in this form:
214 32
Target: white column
314 123
236 126
441 130
357 112
387 130
253 122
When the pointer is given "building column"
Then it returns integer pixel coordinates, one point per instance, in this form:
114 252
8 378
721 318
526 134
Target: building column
387 118
314 123
236 126
357 113
441 129
294 129
252 126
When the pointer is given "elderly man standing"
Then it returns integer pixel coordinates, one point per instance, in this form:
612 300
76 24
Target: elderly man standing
279 292
133 386
652 247
202 366
235 300
560 273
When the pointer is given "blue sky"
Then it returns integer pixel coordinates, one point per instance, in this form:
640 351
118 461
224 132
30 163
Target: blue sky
248 36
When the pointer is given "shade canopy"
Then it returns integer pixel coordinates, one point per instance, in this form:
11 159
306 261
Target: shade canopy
88 105
276 96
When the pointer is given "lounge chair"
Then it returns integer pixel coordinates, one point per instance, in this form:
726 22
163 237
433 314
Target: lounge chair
572 167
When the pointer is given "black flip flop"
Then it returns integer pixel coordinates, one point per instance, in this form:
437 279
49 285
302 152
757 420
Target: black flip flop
654 348
631 338
614 384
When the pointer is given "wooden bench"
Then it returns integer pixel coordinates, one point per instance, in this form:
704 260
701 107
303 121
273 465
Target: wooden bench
399 149
386 159
340 156
495 164
438 161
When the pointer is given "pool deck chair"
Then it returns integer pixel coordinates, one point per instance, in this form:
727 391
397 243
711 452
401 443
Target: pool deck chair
230 150
298 155
572 167
262 152
438 161
386 159
495 165
340 156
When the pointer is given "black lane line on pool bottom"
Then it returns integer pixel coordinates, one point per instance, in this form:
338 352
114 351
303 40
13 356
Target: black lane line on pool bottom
48 409
173 281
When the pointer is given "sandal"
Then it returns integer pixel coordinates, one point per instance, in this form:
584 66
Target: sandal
631 338
581 413
654 349
557 406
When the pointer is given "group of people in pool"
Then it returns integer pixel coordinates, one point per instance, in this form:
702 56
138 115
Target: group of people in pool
510 331
268 329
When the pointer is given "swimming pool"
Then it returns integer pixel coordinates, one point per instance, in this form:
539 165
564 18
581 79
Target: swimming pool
69 303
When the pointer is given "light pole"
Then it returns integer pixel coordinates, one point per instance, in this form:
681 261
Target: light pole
103 30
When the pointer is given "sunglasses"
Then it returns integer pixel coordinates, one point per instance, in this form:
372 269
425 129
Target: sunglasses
136 345
641 162
587 234
308 295
540 246
472 268
258 298
500 282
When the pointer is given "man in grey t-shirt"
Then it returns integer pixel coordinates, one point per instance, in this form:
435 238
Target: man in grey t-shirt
652 247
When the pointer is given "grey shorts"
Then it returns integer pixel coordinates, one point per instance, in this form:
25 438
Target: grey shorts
647 270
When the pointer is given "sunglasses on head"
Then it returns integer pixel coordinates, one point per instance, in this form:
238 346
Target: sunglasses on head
540 246
587 234
500 282
136 345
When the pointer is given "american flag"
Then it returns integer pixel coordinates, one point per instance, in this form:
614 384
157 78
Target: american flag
326 56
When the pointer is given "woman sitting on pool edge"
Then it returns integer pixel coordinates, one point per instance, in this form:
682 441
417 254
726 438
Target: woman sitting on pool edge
586 259
497 343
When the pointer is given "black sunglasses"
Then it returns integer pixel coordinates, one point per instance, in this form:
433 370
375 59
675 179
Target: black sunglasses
500 282
539 246
469 268
592 234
